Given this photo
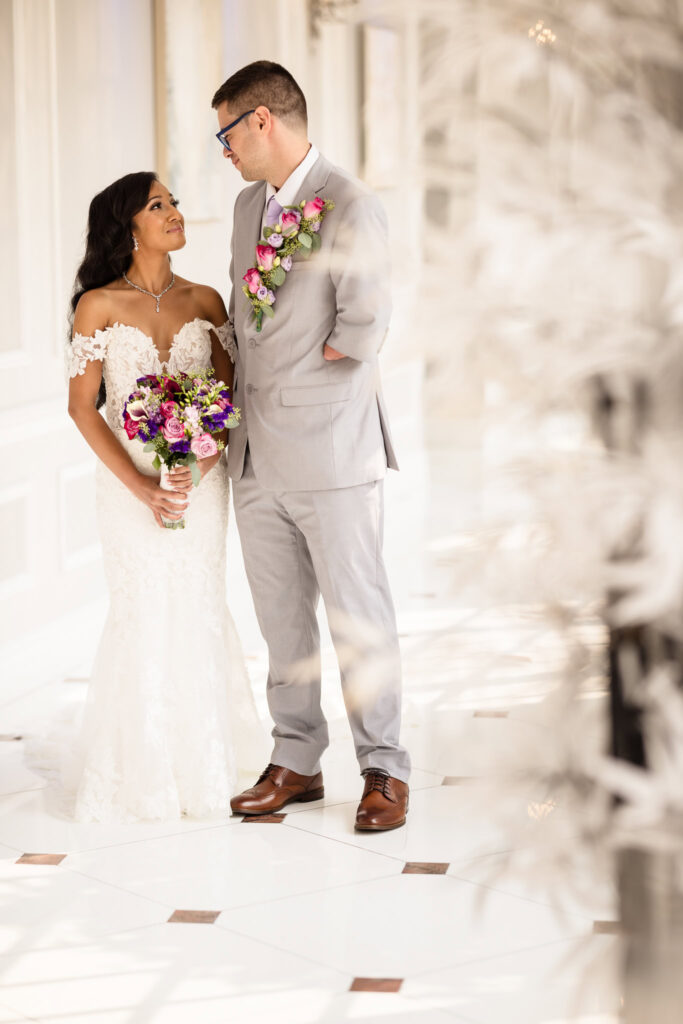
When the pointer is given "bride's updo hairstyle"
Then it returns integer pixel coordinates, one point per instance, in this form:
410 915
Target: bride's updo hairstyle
109 241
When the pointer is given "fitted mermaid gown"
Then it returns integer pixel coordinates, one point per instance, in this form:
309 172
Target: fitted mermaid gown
170 720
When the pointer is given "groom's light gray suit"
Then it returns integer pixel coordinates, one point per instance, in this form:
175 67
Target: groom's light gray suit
307 464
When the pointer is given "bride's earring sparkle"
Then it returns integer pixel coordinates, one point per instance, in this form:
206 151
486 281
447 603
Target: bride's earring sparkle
136 244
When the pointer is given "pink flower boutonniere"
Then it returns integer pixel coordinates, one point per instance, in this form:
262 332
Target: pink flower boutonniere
297 230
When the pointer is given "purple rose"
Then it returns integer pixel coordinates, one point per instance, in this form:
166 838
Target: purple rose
270 297
315 226
276 240
286 263
262 293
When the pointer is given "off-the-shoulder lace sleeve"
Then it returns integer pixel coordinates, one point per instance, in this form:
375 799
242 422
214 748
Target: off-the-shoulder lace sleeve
226 336
83 350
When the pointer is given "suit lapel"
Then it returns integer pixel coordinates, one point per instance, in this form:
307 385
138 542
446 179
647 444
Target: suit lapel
250 228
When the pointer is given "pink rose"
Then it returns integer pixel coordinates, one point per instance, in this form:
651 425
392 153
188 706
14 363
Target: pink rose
253 279
173 430
265 254
290 221
203 446
313 207
168 409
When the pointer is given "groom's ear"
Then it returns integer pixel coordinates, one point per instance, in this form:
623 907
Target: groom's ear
263 118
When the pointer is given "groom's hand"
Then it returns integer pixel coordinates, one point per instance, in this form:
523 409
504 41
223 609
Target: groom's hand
331 353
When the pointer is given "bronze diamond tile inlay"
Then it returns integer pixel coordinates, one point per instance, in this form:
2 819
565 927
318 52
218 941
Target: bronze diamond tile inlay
9 737
376 984
193 916
456 780
41 858
491 714
607 927
424 867
276 819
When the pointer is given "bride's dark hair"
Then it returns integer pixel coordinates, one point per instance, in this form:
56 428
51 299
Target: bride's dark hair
109 242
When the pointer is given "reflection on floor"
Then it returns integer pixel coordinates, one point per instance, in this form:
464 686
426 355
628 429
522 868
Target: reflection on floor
298 919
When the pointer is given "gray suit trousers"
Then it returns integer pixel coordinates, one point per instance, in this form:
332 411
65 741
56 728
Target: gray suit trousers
298 545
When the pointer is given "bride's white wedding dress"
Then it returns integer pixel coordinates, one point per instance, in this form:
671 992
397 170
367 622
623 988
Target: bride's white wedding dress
170 718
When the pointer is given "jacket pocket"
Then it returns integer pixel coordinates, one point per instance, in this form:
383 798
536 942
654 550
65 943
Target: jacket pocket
317 394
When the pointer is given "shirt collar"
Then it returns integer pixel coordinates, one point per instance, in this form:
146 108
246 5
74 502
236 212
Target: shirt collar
287 193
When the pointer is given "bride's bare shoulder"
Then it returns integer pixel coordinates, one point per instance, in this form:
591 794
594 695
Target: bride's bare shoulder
93 309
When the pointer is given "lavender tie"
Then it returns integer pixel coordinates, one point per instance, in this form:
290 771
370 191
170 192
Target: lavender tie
273 211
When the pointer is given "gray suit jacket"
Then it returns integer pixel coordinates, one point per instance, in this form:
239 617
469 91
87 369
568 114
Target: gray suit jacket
312 424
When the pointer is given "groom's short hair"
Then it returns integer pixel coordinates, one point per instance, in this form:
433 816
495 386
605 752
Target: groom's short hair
264 83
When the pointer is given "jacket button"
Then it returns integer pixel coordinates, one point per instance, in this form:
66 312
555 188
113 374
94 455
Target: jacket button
250 388
252 343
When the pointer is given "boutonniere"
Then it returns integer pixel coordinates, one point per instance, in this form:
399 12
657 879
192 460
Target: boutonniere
297 230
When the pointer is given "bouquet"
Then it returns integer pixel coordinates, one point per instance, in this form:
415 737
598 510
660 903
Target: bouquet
178 418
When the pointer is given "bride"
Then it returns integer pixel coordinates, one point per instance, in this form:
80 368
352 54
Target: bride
170 717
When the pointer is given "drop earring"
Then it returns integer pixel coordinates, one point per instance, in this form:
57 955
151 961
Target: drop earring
136 244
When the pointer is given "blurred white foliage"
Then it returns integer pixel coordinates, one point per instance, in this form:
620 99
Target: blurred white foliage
553 281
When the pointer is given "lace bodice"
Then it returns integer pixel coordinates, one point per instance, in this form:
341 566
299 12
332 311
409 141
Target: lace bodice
127 353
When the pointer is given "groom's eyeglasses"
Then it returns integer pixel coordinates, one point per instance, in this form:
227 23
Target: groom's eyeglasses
221 135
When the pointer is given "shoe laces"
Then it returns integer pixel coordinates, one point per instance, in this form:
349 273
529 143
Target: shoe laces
266 773
378 781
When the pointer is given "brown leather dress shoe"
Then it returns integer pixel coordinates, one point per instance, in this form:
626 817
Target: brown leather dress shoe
276 787
384 803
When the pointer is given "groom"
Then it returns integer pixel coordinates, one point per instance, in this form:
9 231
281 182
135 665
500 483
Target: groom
309 456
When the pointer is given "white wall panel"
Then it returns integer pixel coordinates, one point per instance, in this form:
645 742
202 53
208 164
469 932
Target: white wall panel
77 105
80 543
14 554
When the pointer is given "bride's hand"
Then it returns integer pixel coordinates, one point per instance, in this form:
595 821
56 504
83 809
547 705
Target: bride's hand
182 477
160 501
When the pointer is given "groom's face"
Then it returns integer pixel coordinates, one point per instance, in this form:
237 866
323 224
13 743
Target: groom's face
245 143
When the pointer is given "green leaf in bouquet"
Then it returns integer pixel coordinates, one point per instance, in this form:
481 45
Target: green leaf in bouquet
268 310
149 447
267 232
157 462
190 460
316 243
305 239
278 276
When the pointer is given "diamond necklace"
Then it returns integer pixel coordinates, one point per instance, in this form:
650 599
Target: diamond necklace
151 294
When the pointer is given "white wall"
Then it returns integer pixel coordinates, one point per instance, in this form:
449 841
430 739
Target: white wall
77 97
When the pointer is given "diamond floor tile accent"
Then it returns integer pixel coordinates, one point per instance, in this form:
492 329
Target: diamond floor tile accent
608 928
416 867
456 780
376 984
41 858
193 916
9 738
491 714
273 819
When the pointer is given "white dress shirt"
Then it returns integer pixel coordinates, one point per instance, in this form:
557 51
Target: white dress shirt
286 195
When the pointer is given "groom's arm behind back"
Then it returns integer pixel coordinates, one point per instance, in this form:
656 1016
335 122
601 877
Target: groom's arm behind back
359 267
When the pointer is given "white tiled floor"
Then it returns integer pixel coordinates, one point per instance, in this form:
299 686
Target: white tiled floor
307 905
